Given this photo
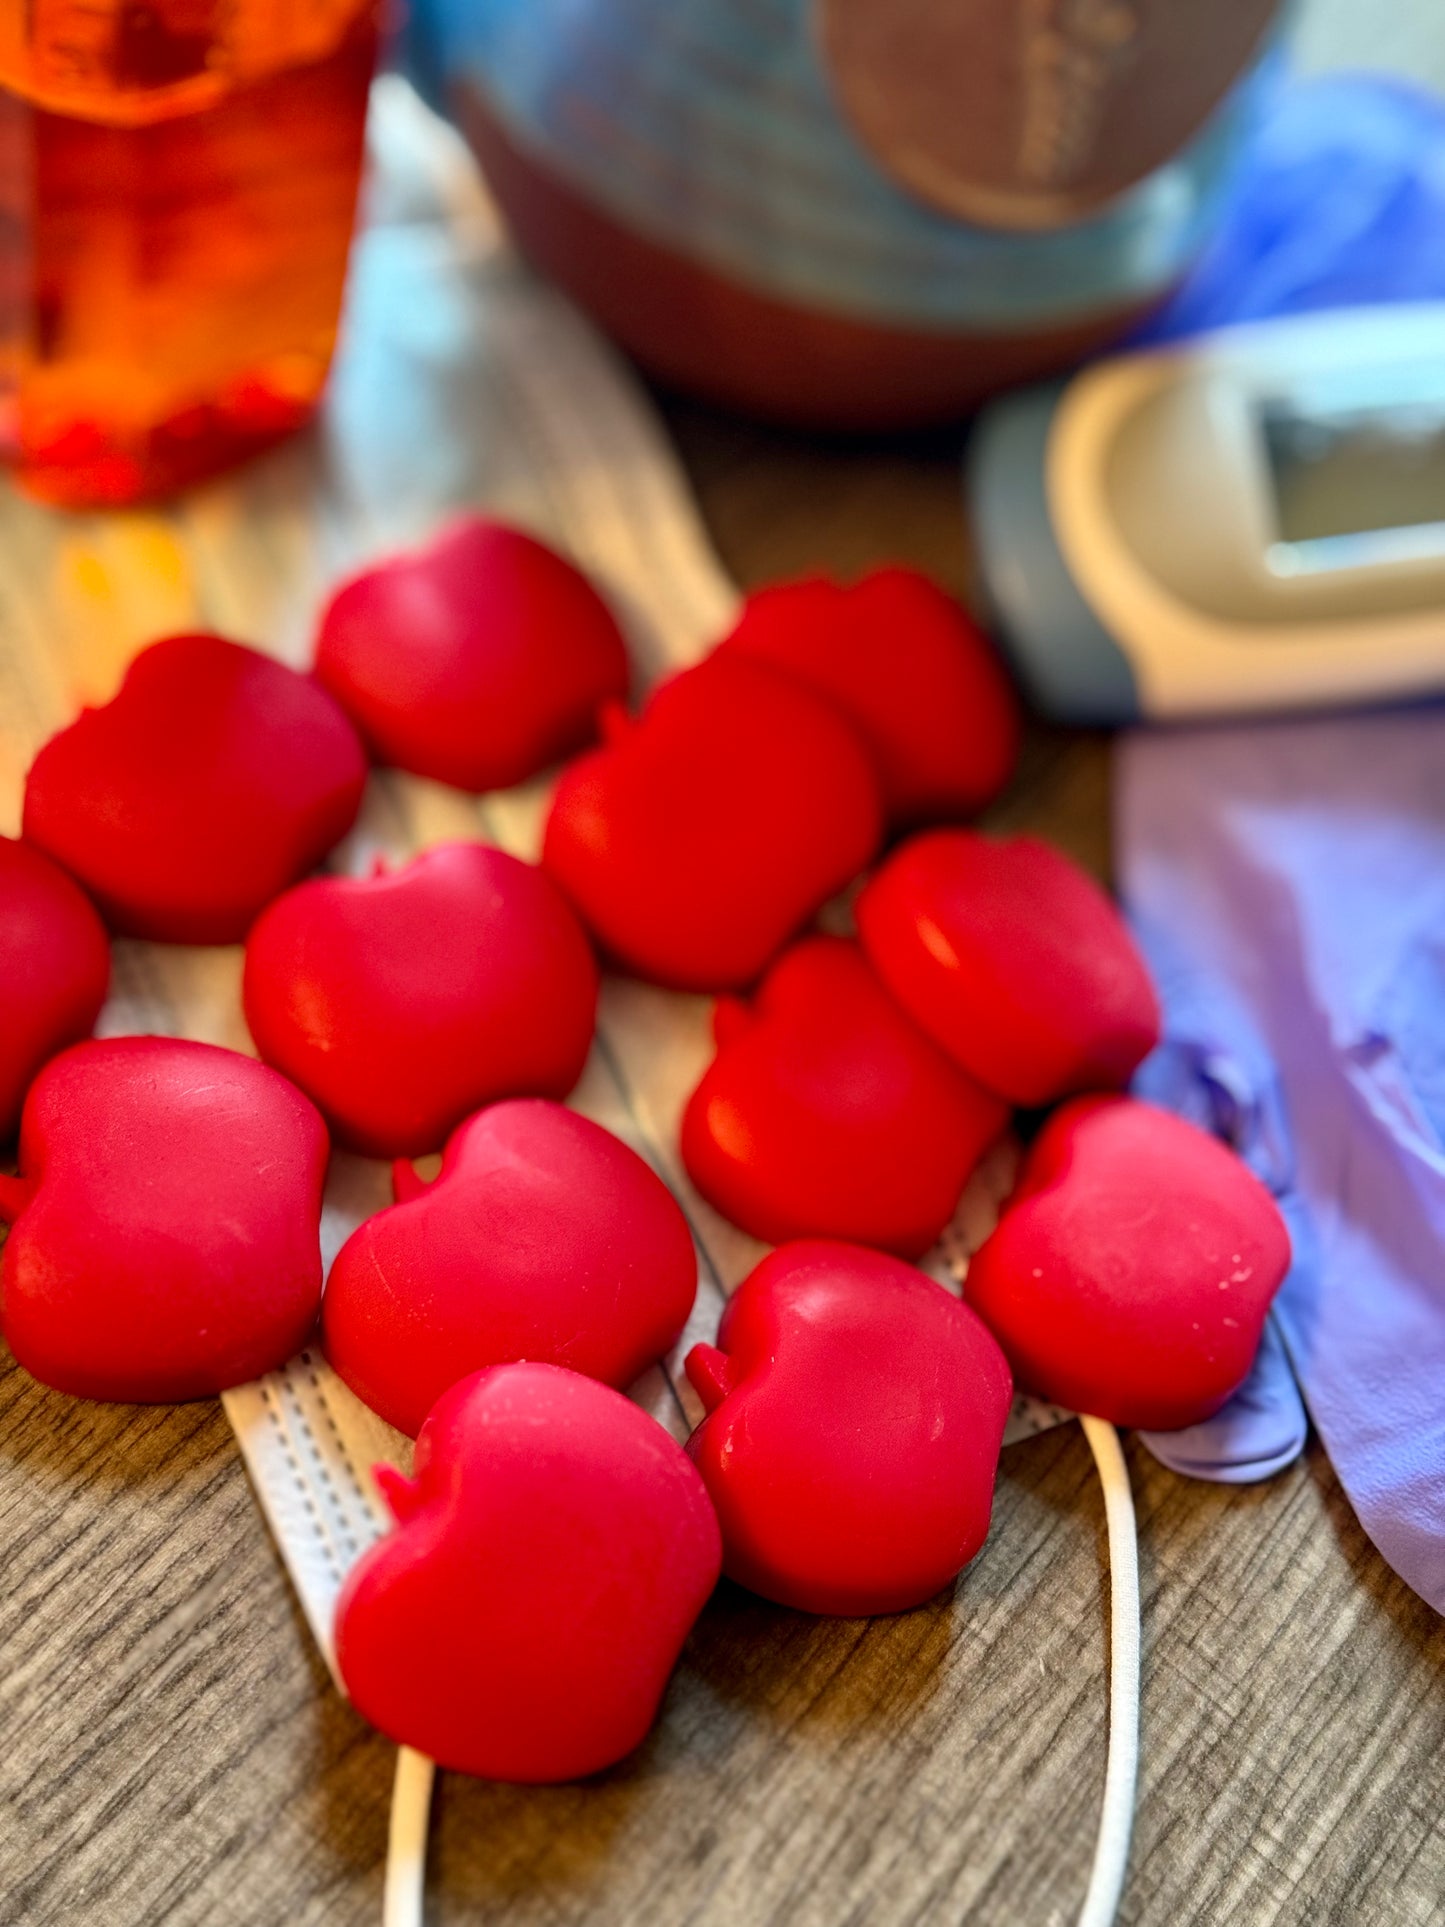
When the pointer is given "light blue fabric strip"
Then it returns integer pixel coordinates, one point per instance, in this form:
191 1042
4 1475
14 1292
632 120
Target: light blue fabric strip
708 126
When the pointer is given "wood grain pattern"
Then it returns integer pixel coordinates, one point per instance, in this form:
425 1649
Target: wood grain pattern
174 1751
171 1749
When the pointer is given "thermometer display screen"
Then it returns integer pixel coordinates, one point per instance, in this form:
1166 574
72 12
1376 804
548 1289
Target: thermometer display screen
1355 485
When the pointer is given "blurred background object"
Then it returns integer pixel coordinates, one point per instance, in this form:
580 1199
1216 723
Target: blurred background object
833 213
849 214
177 187
1407 39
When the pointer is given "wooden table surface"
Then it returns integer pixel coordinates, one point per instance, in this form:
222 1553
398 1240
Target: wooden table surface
172 1749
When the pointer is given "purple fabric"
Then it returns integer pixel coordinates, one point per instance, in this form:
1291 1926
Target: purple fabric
1287 881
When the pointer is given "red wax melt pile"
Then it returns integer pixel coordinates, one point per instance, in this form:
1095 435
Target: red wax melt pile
215 778
910 670
551 1556
165 1222
1013 960
705 833
54 969
828 1113
1131 1274
402 1002
477 660
543 1237
856 1410
556 1545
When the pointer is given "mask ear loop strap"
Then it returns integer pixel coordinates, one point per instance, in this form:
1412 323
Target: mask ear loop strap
1111 1851
412 1792
406 1843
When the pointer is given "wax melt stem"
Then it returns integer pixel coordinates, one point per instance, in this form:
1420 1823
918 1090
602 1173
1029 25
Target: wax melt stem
397 1490
709 1372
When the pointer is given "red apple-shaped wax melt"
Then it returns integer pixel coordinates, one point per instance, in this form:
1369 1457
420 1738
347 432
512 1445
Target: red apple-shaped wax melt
215 778
703 835
54 970
1130 1275
477 660
165 1237
913 673
401 1002
543 1237
550 1557
855 1414
1012 959
828 1113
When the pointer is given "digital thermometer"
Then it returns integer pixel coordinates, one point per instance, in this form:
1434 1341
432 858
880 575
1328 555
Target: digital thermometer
1251 520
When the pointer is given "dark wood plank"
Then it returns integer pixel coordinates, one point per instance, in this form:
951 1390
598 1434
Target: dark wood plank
174 1750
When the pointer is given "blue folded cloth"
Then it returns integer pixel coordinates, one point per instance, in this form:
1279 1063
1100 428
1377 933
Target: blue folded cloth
1341 201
